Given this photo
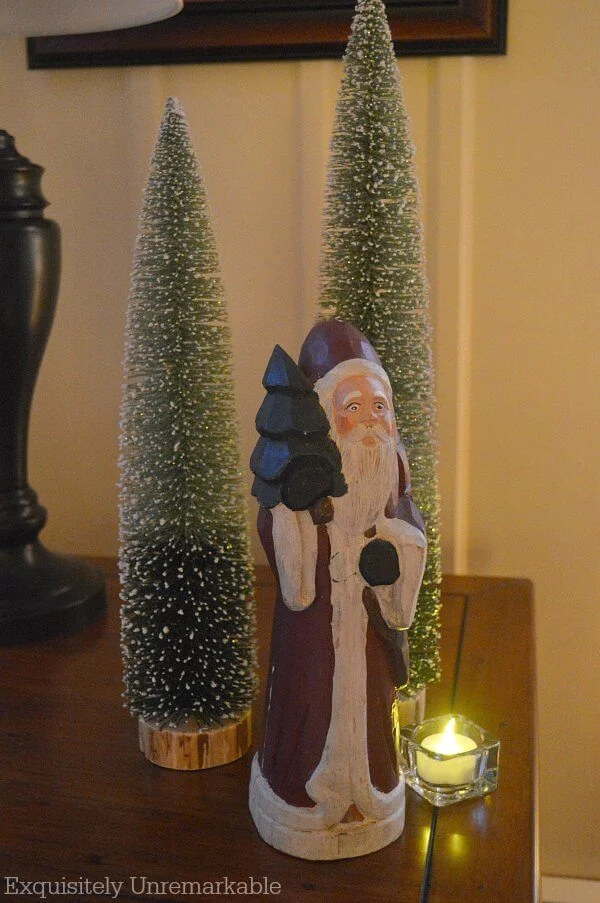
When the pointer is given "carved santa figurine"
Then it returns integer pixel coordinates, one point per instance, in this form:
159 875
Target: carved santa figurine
326 782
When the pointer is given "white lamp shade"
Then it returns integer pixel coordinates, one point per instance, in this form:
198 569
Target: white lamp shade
48 17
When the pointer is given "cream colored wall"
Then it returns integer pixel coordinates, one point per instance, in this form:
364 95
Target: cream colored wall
507 156
534 502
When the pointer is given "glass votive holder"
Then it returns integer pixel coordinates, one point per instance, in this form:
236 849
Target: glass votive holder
449 758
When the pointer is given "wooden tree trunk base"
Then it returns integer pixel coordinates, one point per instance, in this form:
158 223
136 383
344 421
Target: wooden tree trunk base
408 710
192 747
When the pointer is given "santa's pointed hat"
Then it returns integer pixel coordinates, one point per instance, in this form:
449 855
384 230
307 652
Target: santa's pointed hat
333 350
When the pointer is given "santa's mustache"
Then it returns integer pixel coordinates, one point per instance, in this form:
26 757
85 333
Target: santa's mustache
361 430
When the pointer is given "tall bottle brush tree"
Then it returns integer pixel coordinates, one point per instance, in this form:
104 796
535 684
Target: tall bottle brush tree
373 274
188 638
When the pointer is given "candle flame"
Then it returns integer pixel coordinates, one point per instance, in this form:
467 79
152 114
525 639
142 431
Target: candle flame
449 745
450 728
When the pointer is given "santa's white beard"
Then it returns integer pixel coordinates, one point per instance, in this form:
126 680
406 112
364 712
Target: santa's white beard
371 473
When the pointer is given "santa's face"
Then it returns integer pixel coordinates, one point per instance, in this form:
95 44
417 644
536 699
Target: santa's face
362 411
363 426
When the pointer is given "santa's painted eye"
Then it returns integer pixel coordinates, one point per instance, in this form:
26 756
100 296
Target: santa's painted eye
380 406
352 408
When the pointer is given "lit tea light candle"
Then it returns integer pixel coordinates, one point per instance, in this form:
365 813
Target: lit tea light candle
447 759
459 769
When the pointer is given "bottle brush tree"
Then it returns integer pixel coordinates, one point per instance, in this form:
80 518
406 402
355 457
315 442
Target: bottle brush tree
188 633
373 274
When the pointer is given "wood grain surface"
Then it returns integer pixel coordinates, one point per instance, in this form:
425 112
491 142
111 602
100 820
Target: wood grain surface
79 800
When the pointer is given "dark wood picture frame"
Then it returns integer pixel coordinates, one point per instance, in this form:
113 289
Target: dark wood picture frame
222 30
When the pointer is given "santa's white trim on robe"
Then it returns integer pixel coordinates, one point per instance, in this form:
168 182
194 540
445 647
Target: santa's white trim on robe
342 777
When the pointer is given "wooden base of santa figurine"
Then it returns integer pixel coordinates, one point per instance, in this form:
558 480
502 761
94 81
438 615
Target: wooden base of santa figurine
283 827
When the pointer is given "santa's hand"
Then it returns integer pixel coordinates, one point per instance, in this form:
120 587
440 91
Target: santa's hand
322 511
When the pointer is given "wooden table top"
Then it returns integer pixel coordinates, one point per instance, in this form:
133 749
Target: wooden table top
79 802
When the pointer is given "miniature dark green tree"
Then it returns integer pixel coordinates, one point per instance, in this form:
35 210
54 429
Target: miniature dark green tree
373 274
294 461
188 638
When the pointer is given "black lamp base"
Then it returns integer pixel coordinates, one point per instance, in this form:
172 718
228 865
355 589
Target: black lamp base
43 594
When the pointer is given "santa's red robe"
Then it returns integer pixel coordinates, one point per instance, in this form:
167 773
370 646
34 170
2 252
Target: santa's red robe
298 711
